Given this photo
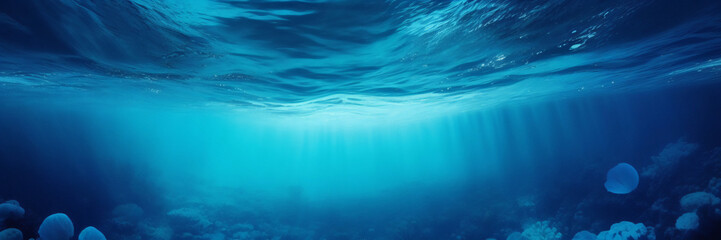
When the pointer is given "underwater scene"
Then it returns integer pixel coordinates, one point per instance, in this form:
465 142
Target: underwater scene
360 120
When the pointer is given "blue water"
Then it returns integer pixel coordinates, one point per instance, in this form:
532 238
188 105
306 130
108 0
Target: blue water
221 119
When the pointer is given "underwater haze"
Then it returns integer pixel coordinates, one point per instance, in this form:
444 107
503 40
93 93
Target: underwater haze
360 120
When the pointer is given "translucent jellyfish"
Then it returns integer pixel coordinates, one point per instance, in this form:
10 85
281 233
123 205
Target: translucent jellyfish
584 235
91 233
11 234
621 179
693 201
56 227
11 209
687 221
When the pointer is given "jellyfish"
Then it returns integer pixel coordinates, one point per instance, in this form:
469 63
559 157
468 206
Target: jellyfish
56 227
584 235
687 221
693 201
621 179
91 233
11 234
11 209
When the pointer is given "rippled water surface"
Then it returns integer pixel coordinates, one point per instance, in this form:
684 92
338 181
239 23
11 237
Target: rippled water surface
302 57
360 120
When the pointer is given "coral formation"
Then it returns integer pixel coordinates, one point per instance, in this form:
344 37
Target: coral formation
714 186
197 217
515 236
627 231
541 231
190 219
128 212
669 158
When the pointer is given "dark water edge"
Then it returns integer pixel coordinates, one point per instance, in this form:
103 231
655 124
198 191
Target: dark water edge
514 166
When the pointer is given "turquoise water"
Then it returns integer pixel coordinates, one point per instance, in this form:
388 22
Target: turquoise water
361 119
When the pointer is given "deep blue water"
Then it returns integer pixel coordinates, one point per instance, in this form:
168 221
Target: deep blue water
220 119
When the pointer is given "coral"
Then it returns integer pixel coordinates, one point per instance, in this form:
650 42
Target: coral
11 234
515 236
584 235
621 179
659 205
56 227
242 227
128 212
693 201
687 221
155 232
91 233
714 186
214 236
538 231
669 158
627 231
526 201
191 220
541 231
